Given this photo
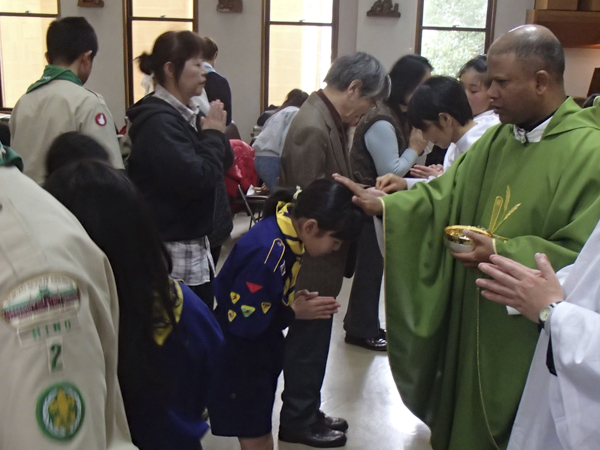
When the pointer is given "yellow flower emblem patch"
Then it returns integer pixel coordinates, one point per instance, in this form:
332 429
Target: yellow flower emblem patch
265 307
247 310
234 297
231 315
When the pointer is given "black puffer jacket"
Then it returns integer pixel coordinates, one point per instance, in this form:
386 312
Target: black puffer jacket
176 168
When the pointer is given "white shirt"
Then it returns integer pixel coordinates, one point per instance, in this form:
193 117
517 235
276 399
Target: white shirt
468 139
563 411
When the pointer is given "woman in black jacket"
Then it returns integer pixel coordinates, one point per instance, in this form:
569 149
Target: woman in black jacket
177 160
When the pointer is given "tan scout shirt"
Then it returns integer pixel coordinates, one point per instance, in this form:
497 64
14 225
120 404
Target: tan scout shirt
53 109
58 328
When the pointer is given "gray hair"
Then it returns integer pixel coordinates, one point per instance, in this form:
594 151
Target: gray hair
362 67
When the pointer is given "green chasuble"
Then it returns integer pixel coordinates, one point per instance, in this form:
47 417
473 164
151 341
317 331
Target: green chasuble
459 360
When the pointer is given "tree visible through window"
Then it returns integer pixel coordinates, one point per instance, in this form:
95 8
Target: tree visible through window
146 20
300 42
23 26
450 32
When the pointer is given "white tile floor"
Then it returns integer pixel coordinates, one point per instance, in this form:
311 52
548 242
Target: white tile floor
358 386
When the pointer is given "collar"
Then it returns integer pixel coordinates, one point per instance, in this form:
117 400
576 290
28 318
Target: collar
52 72
162 331
534 135
8 157
190 115
284 221
209 68
335 115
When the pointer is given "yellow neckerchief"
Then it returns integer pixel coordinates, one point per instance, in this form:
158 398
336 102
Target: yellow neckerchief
284 221
162 332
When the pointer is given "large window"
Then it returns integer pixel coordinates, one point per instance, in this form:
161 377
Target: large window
300 41
23 26
145 21
450 32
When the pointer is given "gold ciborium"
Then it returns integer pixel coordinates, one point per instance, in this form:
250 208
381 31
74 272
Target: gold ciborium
455 241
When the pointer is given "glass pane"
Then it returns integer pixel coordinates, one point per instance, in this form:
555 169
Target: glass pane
22 47
299 57
31 6
459 13
302 11
447 51
144 33
180 9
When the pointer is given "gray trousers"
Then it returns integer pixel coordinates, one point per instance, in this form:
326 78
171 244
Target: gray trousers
362 318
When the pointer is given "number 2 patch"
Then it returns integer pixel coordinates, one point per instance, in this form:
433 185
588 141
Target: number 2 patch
55 354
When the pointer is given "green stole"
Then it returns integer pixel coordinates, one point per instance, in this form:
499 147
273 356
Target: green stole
459 360
52 72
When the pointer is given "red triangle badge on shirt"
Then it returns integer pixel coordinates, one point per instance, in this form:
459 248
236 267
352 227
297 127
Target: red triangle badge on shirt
253 287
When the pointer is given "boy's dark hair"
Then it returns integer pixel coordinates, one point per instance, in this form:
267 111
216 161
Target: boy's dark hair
438 95
72 147
69 38
326 201
479 64
405 76
210 48
112 212
175 47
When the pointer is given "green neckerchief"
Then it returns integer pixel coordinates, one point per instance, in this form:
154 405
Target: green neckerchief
8 157
52 72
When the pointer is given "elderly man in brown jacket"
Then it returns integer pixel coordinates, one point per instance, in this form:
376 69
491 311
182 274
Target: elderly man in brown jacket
315 147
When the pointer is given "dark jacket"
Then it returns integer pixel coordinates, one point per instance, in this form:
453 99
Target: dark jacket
217 88
176 168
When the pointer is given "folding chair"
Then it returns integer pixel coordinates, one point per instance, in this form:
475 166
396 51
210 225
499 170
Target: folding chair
254 205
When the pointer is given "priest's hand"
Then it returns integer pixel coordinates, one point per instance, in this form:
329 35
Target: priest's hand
309 306
527 290
390 183
434 170
484 248
368 202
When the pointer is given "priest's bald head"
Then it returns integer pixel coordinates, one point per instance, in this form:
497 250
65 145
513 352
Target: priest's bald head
526 67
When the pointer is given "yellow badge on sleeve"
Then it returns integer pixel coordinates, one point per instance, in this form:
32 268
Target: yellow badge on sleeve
231 315
60 411
266 306
234 297
247 310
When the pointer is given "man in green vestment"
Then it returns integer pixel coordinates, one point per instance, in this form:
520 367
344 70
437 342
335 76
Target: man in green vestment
459 360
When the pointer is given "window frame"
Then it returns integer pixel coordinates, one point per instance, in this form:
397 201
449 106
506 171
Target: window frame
266 30
6 109
490 23
128 19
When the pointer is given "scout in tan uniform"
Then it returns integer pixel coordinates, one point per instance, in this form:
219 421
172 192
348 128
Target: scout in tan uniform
58 102
59 325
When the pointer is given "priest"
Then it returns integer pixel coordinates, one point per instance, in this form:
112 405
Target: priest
460 361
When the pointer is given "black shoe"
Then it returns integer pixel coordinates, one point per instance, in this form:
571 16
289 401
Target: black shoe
335 423
378 344
316 435
383 333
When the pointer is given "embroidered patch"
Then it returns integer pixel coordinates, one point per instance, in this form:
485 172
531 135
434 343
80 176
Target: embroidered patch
247 310
234 297
60 411
101 119
265 307
38 332
231 315
40 299
283 271
254 287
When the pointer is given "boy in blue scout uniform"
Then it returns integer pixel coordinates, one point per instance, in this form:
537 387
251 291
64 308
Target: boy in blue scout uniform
256 301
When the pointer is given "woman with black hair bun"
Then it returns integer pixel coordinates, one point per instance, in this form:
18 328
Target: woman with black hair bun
256 300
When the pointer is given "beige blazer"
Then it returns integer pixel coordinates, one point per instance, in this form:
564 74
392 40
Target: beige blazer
313 150
58 330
